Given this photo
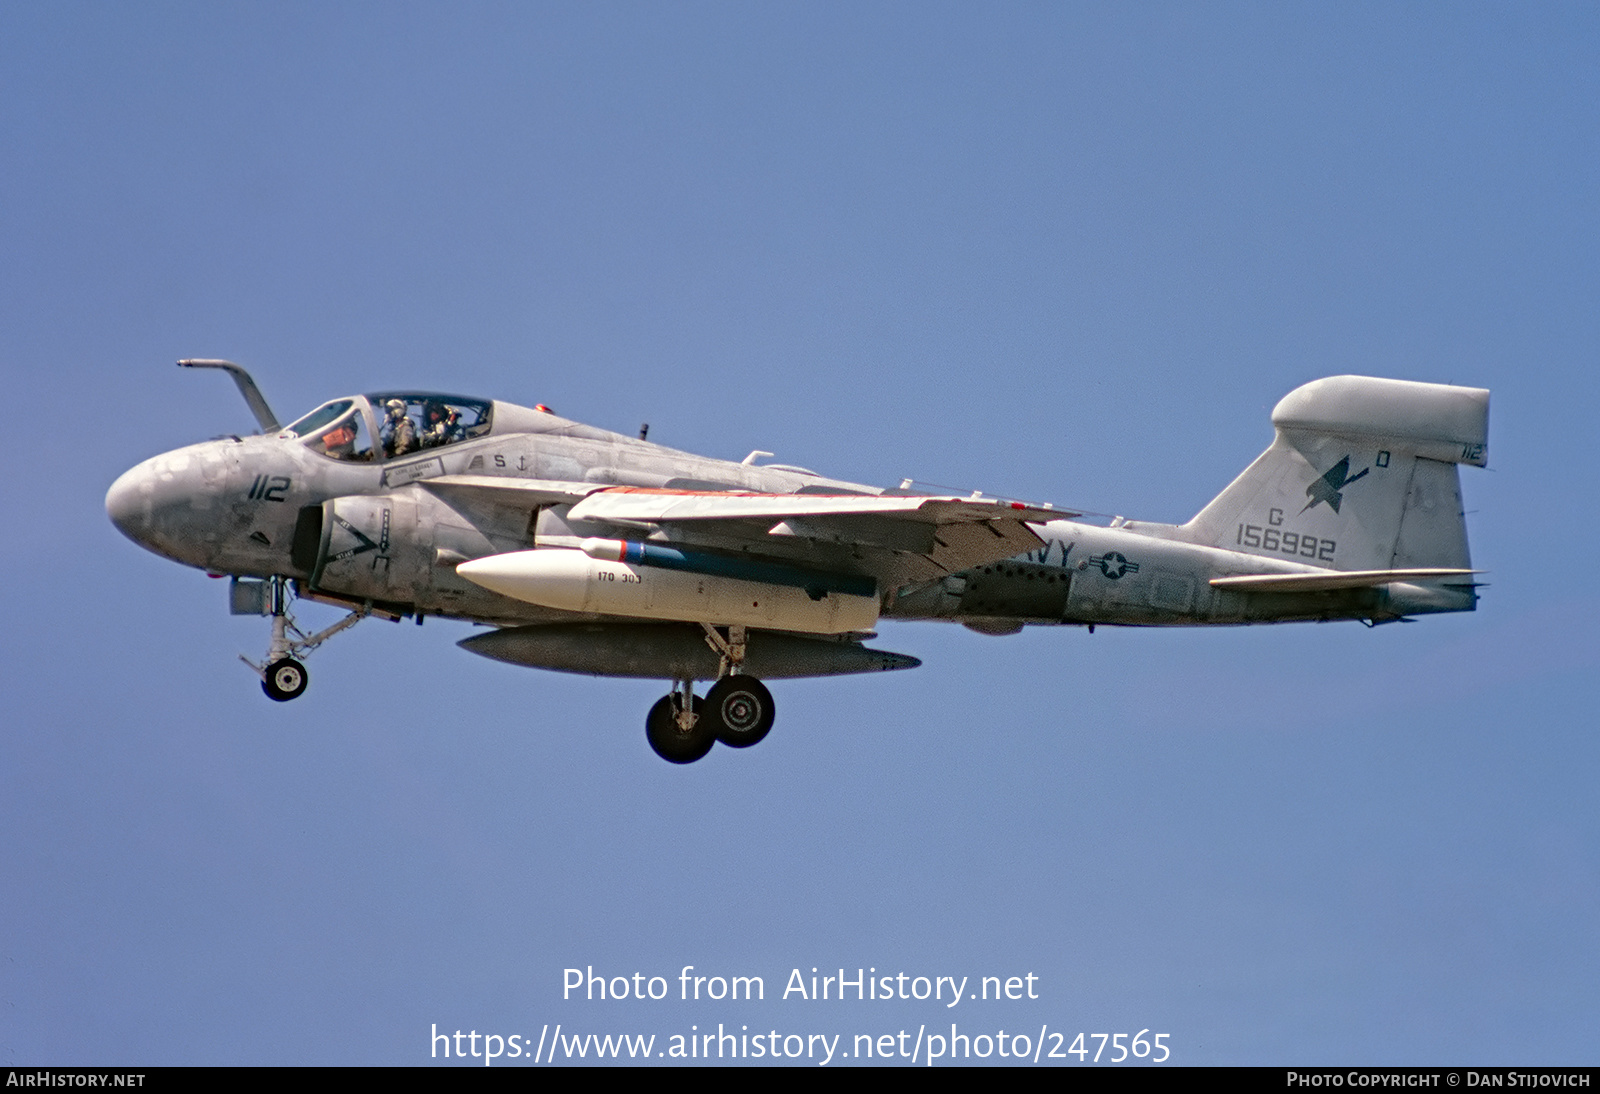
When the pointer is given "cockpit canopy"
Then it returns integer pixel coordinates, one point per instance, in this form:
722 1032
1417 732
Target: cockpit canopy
403 423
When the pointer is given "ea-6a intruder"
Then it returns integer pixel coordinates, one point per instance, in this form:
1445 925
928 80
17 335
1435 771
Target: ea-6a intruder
592 552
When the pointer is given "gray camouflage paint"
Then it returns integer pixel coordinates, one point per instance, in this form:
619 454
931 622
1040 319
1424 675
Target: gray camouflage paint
392 531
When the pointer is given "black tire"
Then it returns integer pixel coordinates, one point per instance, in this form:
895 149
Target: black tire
673 744
285 680
740 708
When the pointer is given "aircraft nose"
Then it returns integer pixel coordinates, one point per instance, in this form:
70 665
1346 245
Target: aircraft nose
128 502
175 504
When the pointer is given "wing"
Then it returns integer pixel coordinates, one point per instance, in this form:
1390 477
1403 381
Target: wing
895 539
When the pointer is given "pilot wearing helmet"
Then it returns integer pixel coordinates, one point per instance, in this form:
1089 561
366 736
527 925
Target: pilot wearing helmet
444 425
402 434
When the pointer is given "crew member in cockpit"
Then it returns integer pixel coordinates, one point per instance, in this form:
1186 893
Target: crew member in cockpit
402 434
340 441
444 425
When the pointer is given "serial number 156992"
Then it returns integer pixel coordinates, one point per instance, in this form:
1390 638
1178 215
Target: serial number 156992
1288 543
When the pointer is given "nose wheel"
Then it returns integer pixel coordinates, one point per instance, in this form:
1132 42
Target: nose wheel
284 680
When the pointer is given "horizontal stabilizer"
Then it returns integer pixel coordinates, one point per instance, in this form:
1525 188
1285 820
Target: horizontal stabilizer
1329 581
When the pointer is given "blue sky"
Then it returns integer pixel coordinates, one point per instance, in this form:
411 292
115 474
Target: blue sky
1063 252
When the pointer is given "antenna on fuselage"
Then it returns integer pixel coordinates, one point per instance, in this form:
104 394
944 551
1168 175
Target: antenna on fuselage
644 431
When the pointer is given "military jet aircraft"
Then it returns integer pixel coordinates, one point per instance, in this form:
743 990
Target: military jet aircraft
593 552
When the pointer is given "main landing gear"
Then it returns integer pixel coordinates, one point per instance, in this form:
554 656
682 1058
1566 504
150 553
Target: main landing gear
283 677
737 710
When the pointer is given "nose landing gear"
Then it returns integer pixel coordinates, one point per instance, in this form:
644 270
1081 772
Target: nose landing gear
283 677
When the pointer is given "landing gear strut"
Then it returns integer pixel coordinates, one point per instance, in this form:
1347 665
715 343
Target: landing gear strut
282 676
738 710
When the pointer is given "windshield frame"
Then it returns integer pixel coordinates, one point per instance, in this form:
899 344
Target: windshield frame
335 408
350 406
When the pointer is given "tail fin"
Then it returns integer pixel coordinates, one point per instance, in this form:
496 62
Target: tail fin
1361 476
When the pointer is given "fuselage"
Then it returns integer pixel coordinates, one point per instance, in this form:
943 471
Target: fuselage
328 502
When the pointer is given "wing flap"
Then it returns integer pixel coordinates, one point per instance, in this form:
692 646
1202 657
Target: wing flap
975 543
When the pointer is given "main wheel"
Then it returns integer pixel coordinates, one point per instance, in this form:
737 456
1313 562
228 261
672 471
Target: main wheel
285 680
673 744
740 707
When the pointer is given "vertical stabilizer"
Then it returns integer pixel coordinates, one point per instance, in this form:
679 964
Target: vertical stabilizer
1361 476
